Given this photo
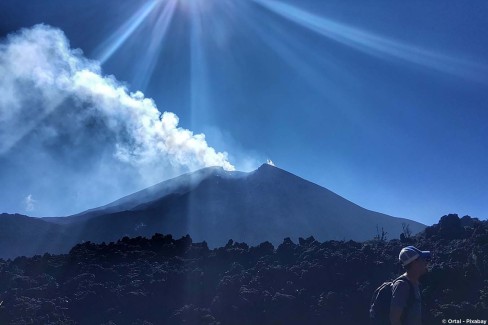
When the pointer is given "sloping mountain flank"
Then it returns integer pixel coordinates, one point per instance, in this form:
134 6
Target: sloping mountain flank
213 205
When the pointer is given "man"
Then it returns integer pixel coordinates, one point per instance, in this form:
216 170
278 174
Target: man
406 306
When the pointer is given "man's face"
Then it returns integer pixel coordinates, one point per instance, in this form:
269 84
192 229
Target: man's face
421 265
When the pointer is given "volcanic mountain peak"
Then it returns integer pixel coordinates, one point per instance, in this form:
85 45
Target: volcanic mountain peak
183 184
215 205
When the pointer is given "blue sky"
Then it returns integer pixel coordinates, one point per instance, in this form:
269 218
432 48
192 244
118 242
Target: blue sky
384 103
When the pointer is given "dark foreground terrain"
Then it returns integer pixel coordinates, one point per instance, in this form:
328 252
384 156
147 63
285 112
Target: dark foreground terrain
166 281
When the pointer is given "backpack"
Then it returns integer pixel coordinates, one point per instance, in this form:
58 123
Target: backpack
379 312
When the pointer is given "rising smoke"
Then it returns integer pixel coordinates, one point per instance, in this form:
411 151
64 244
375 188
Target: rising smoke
74 138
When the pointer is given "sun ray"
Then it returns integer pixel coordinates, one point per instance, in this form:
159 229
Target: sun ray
290 50
151 55
376 45
199 91
117 39
24 130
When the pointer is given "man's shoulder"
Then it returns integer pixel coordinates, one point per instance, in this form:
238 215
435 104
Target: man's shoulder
402 284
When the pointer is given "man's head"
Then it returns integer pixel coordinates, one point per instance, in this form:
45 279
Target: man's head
414 260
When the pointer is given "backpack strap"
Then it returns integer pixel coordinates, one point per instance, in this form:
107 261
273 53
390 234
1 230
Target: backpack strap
411 292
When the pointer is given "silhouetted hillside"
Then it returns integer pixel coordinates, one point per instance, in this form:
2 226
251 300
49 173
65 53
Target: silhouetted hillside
166 281
23 235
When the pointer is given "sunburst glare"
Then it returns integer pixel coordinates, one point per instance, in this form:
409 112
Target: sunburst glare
382 103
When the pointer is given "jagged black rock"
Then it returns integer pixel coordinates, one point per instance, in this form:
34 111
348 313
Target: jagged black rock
162 280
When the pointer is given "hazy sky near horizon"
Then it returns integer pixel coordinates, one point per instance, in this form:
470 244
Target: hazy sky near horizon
384 103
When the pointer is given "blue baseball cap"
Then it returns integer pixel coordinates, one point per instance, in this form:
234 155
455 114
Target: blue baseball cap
409 254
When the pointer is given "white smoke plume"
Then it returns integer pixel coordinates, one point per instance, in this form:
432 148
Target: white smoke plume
57 108
29 203
40 58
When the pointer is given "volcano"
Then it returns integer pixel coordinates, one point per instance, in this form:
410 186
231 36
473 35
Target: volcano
215 205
